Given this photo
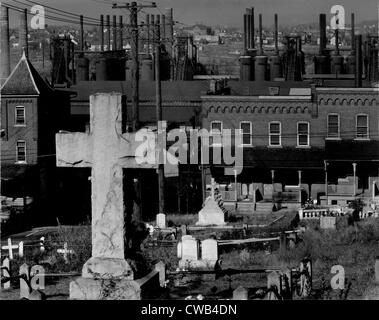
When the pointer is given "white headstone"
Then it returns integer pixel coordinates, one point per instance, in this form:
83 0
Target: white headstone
190 249
161 220
211 214
209 250
37 277
6 272
240 293
24 287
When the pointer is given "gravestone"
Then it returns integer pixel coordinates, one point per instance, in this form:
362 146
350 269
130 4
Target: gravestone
107 150
328 222
161 220
25 290
37 277
6 273
240 293
209 250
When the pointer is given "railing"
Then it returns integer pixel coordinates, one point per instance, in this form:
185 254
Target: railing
226 195
313 213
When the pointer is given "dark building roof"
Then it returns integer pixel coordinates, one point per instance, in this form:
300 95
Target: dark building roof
25 80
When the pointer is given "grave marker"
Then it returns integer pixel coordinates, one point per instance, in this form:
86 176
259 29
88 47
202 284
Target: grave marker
6 272
25 290
240 293
37 276
209 250
328 222
161 220
107 152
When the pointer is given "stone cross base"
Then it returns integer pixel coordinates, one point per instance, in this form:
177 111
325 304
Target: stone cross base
98 289
107 268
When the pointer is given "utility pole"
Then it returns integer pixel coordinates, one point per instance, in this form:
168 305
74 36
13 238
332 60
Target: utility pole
160 129
134 8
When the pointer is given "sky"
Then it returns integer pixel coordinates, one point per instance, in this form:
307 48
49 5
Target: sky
225 12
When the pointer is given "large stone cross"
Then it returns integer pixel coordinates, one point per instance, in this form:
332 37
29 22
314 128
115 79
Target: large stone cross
107 151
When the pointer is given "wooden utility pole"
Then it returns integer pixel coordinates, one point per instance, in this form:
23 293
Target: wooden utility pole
158 97
134 8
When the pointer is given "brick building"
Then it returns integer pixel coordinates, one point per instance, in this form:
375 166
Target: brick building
31 113
290 138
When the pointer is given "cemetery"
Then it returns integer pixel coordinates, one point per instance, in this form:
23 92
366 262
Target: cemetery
216 255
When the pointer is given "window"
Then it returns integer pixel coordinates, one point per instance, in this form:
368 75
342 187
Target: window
21 151
333 126
362 126
303 134
216 133
20 116
275 131
246 129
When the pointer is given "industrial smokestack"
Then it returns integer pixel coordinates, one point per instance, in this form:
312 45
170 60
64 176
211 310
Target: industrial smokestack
114 47
169 30
108 26
322 33
163 28
248 28
147 20
252 29
120 42
158 23
353 33
5 62
260 35
276 34
102 32
23 33
81 33
245 33
358 62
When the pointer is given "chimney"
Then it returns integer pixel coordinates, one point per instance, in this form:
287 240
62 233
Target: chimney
252 29
23 33
120 42
169 30
5 64
245 34
358 61
276 34
163 28
114 46
260 36
108 26
353 33
102 32
248 29
81 33
322 33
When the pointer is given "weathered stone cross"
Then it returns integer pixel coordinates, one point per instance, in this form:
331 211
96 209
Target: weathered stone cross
107 151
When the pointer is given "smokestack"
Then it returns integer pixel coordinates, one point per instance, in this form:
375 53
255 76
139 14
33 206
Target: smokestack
102 31
23 33
157 23
248 28
5 62
358 63
322 33
114 47
169 30
252 29
81 33
353 33
276 34
163 28
245 33
120 33
260 35
147 20
108 26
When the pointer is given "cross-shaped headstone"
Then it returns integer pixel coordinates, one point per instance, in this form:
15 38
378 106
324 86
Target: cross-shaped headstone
107 150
